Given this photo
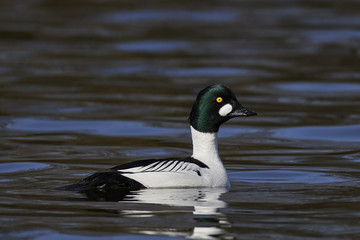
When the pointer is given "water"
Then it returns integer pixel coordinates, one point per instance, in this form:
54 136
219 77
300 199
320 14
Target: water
85 86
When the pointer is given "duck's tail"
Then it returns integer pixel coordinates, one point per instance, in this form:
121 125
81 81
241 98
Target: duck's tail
103 181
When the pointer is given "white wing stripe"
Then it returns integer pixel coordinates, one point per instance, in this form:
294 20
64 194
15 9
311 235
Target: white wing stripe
179 166
165 166
183 167
135 169
176 166
157 167
150 167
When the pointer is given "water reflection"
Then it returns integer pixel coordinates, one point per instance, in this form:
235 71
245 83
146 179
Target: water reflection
210 223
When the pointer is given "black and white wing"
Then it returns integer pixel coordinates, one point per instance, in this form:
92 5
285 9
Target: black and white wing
142 174
162 165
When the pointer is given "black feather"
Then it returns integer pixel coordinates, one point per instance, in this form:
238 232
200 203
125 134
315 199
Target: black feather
104 181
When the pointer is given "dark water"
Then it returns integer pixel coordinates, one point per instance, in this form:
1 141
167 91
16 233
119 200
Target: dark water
86 85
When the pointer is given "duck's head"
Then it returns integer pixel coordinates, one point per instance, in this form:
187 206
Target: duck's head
215 105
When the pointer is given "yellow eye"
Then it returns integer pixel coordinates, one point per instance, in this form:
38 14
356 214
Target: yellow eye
219 99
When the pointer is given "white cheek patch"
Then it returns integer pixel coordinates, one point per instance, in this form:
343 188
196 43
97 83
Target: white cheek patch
225 110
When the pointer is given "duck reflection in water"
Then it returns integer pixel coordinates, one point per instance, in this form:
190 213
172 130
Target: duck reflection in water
210 223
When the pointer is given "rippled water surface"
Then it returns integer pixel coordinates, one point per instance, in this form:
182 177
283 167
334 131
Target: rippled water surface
87 85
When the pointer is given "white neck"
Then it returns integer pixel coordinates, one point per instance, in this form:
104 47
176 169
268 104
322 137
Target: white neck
205 146
205 149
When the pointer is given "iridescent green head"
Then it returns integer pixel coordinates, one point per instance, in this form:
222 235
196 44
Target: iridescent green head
215 105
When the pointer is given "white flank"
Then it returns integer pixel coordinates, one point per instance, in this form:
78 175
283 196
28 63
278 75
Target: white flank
225 110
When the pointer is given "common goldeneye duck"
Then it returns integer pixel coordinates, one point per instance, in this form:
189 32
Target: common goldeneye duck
213 106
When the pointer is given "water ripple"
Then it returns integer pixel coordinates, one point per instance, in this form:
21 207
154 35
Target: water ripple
284 176
320 87
158 15
349 133
21 167
95 127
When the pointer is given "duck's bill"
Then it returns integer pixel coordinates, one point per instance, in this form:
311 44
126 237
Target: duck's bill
241 111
